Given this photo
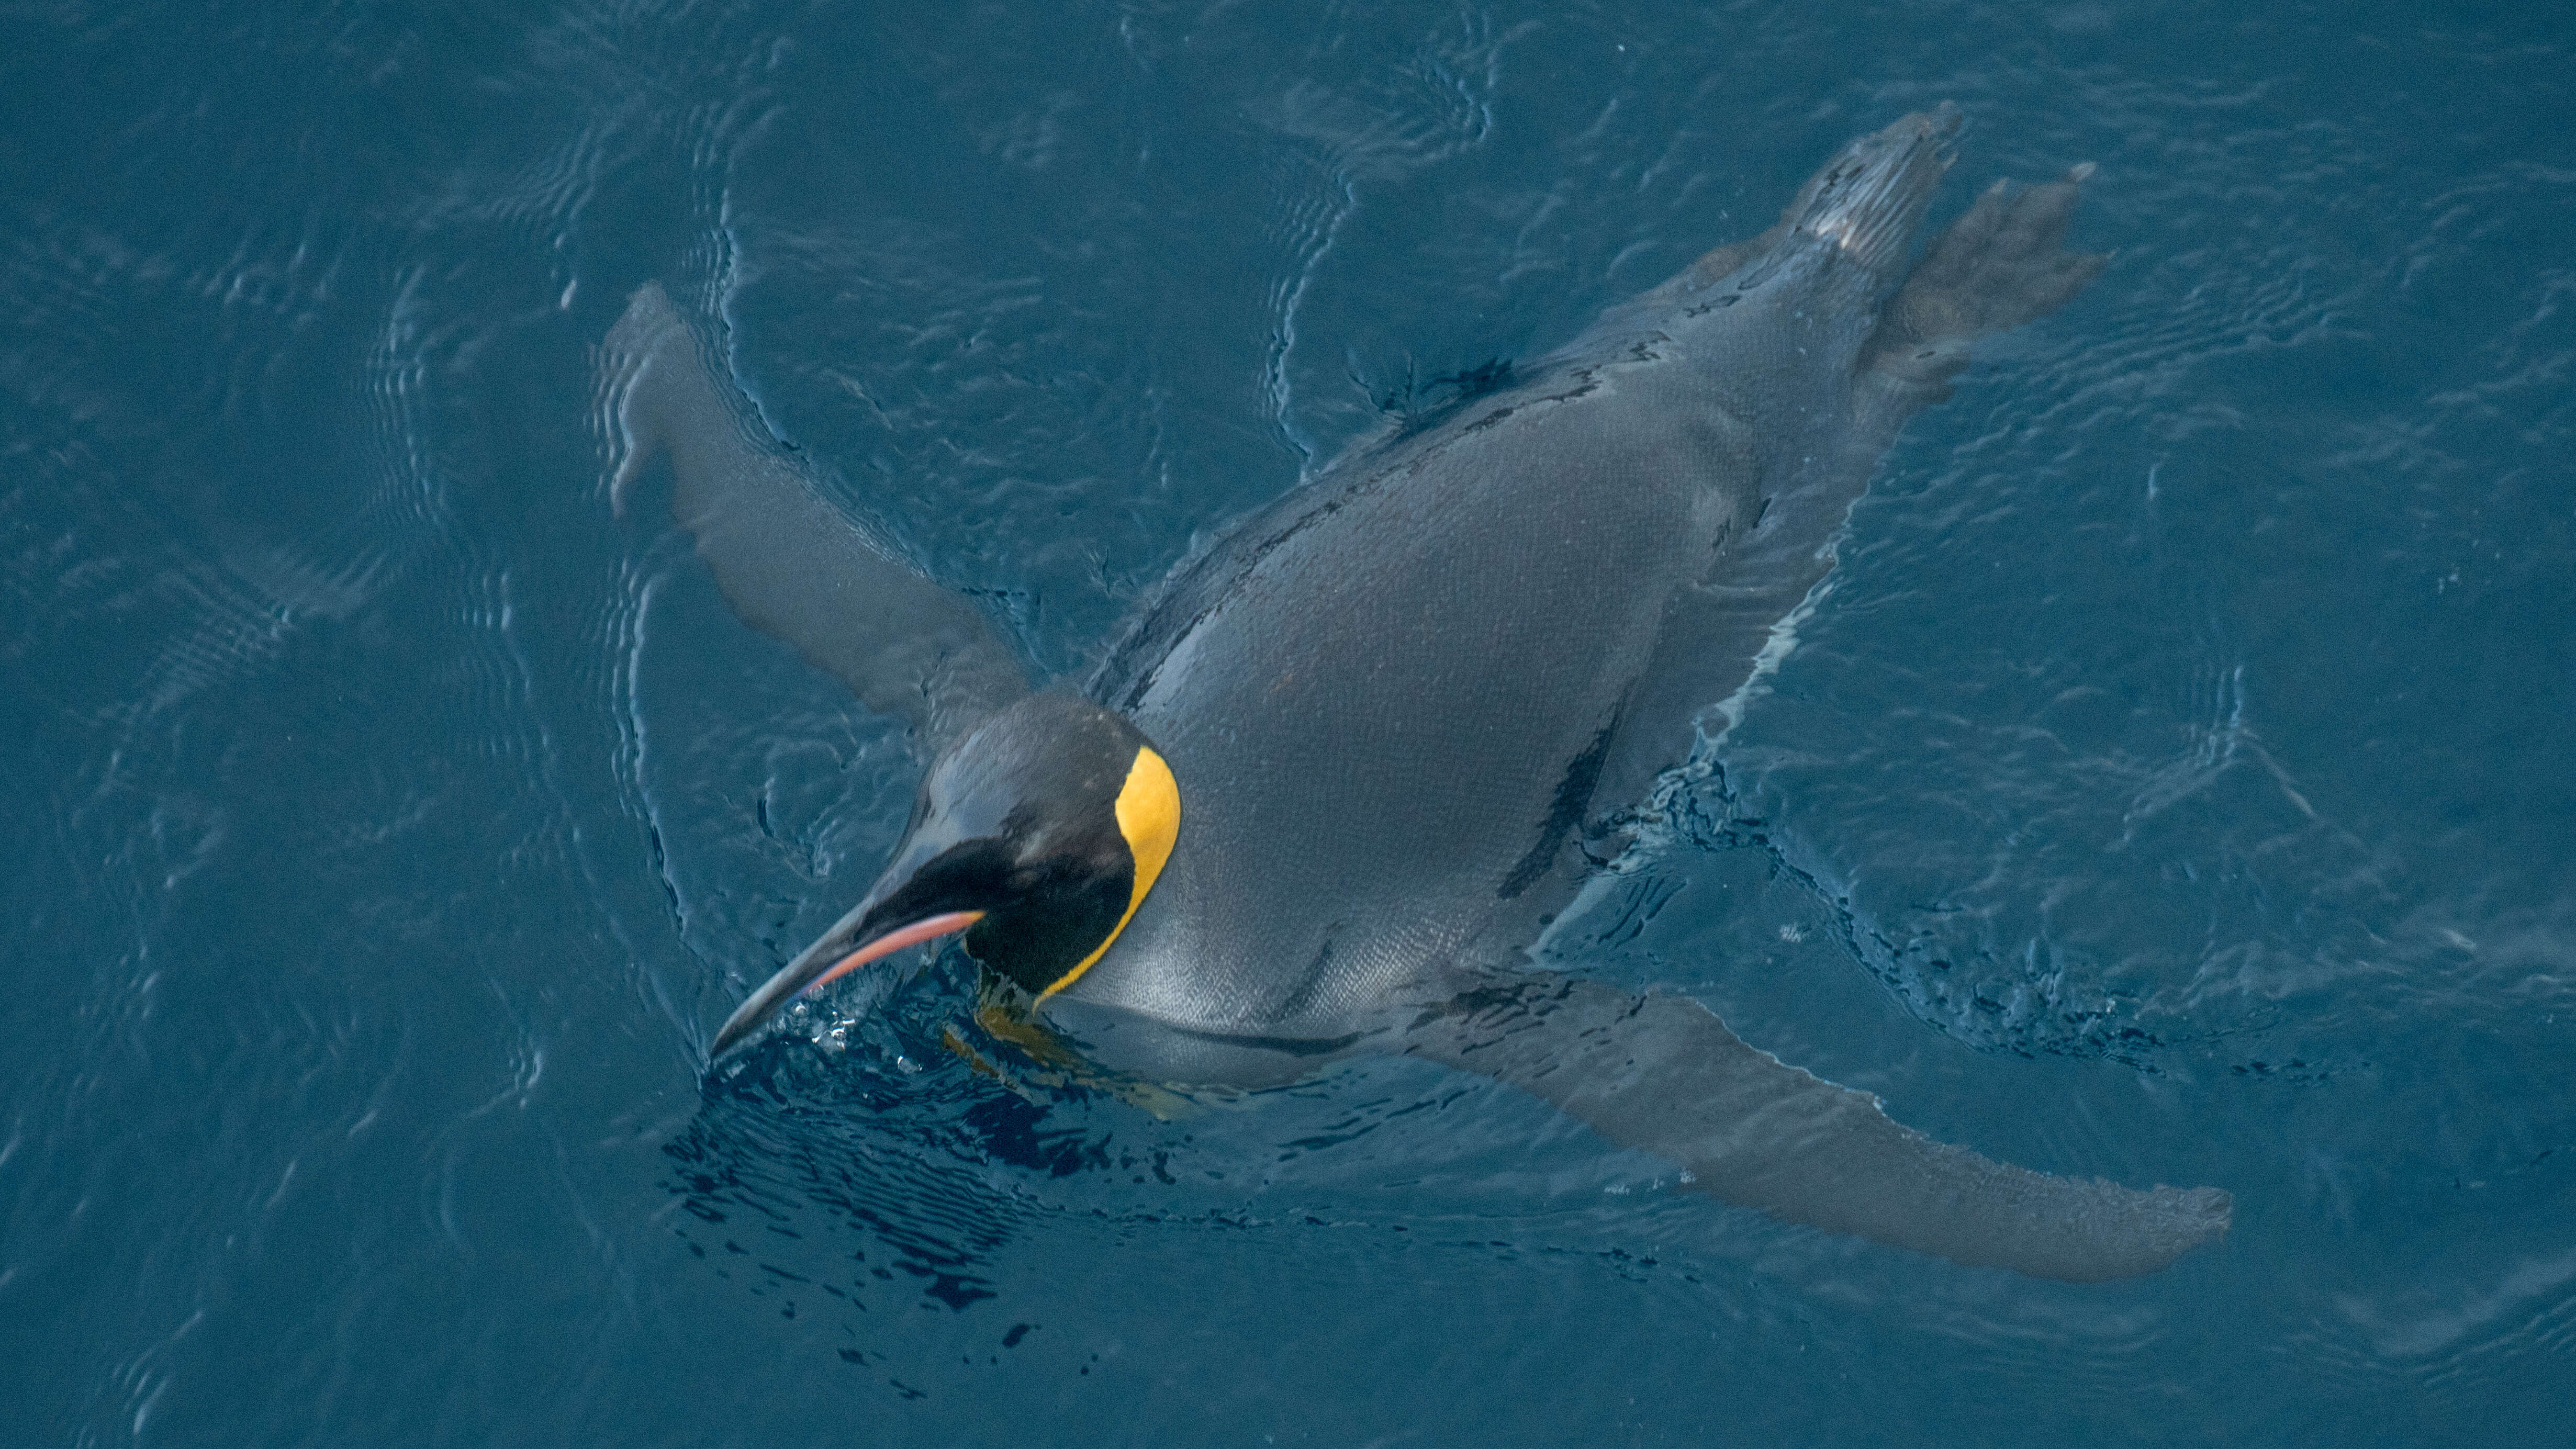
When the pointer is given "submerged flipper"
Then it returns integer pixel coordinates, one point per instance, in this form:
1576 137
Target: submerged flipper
1662 1074
792 565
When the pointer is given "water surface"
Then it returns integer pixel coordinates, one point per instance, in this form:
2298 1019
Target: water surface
2174 784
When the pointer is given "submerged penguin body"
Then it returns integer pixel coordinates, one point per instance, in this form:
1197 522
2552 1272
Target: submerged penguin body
1333 780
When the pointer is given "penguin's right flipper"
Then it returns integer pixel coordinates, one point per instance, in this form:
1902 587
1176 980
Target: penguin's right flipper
1662 1074
792 565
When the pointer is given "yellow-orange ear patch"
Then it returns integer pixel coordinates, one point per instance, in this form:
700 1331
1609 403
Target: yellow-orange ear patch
1149 815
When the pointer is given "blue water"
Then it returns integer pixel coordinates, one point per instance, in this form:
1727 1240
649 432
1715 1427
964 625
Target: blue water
2174 785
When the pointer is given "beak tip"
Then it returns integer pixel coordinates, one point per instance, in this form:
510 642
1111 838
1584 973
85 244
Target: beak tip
741 1027
810 970
726 1040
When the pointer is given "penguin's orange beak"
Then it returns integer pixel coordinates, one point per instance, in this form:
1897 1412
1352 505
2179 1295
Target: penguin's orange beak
877 928
845 948
932 929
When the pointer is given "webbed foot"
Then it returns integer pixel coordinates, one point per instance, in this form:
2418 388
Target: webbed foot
1995 268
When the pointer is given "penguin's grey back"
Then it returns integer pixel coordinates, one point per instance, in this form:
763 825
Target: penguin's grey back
1399 700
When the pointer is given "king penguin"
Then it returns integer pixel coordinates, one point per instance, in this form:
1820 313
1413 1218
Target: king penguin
1334 778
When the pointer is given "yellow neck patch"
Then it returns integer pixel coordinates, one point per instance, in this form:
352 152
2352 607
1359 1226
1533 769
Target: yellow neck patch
1149 815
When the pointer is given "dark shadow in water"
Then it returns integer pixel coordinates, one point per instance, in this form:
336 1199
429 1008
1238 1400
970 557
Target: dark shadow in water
871 1162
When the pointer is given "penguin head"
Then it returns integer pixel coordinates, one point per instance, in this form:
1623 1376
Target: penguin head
1037 834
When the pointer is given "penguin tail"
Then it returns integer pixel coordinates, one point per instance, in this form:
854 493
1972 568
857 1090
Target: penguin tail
1863 207
1868 201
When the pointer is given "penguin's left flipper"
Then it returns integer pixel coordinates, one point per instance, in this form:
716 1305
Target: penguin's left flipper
1662 1074
792 565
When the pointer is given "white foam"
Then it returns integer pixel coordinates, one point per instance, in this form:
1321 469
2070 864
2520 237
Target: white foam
1655 830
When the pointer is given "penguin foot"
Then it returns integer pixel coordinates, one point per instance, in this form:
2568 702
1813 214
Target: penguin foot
1995 268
